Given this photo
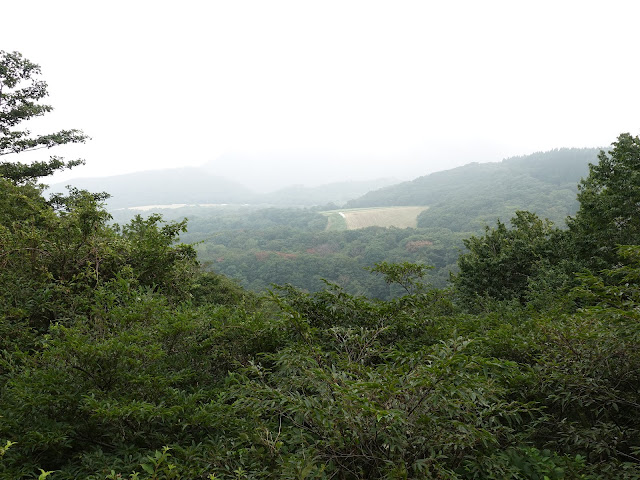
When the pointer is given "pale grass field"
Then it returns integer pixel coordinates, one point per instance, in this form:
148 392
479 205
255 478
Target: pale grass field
400 217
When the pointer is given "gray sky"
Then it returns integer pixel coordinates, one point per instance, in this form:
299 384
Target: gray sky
329 90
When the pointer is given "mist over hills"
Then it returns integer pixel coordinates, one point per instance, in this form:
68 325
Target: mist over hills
160 187
271 171
338 193
461 199
198 186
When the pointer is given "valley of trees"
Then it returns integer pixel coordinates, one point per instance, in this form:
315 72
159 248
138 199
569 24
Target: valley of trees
260 246
122 357
304 258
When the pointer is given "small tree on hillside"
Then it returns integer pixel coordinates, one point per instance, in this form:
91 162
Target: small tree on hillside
501 263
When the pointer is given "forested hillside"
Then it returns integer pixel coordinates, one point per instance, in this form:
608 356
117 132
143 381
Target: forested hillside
121 358
468 197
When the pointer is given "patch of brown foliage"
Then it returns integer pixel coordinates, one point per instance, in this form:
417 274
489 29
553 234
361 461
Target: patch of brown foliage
417 245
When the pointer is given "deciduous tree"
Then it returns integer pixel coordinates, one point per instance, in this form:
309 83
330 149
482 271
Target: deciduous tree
609 198
501 263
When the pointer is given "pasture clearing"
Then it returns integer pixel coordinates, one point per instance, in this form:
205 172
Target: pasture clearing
354 218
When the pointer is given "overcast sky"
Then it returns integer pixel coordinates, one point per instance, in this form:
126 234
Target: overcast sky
328 90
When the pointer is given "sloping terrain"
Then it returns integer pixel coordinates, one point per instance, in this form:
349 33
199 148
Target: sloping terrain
466 198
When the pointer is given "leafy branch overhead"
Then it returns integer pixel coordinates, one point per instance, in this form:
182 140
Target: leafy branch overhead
21 91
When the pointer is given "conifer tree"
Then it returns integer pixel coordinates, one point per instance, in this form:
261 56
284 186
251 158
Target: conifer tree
21 92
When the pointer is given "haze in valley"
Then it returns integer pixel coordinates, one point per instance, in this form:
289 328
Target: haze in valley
276 93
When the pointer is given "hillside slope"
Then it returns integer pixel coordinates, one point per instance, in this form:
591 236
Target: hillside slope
466 198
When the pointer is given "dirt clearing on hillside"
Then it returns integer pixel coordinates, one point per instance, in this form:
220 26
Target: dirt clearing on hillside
400 217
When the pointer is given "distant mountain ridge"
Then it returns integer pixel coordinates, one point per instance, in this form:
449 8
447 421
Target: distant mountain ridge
160 187
197 186
460 199
338 192
468 197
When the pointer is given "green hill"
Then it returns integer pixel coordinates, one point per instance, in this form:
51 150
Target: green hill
466 198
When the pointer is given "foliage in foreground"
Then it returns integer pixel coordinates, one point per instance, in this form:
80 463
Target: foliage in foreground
331 386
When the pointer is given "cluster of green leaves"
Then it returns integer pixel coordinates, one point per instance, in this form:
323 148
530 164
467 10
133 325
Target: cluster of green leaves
49 259
112 342
503 263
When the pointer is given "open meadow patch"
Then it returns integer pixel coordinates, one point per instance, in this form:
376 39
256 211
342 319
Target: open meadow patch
354 218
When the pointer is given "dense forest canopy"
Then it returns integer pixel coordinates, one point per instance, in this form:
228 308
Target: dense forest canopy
120 357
